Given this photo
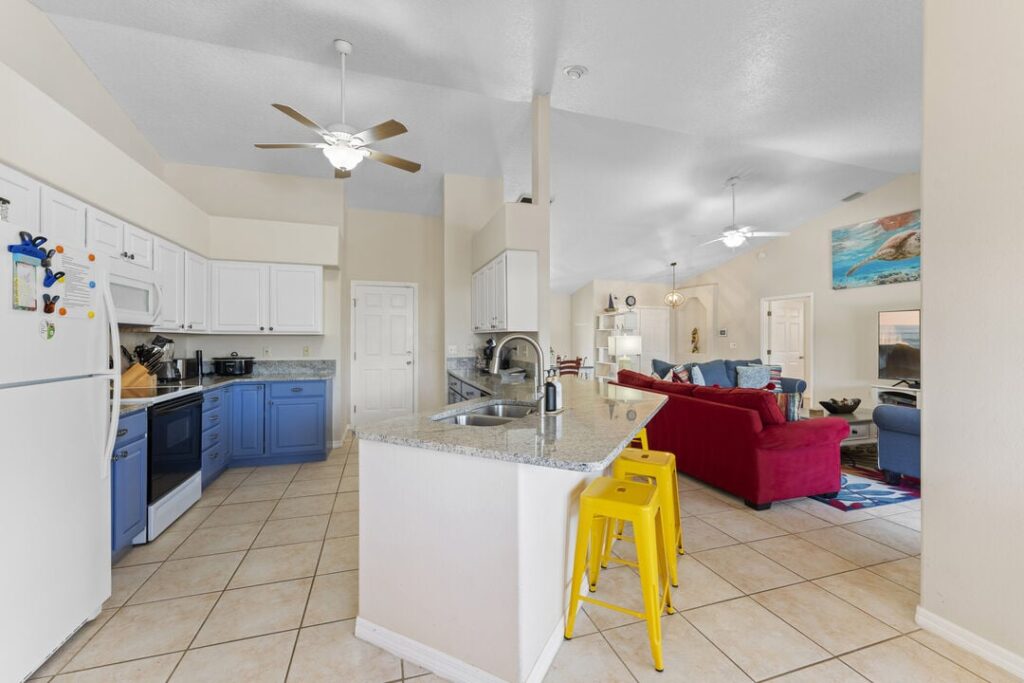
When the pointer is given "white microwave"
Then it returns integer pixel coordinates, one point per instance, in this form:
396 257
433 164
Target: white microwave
137 296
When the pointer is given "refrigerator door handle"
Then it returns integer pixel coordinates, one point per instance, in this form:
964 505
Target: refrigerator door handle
115 376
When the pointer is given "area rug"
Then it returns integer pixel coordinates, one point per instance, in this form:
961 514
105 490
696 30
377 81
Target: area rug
862 488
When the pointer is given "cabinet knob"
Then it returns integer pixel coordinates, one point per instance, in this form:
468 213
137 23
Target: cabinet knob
190 326
131 256
122 431
296 390
183 326
261 328
124 254
271 329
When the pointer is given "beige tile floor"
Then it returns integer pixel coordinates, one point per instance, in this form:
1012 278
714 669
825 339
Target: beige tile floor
258 582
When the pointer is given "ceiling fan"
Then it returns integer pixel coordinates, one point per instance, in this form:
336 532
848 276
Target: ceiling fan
343 145
737 235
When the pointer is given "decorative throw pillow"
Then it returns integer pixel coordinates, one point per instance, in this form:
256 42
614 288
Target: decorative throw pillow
681 375
696 376
661 368
752 376
776 377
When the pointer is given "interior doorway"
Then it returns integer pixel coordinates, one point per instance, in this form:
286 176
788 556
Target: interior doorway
787 336
384 351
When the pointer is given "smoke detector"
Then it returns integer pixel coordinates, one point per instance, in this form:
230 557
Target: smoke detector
575 71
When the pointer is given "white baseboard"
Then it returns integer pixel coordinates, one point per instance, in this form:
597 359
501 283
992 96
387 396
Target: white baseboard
970 641
547 655
438 662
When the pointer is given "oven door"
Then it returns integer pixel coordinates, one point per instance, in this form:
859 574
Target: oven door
174 443
135 293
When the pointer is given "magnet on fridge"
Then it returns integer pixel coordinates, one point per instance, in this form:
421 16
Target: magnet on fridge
92 284
49 302
91 314
29 246
51 278
63 311
47 261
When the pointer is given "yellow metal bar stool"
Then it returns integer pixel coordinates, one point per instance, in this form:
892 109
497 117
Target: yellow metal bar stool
604 502
640 440
658 467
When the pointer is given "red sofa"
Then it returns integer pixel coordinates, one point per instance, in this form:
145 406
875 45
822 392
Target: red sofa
739 441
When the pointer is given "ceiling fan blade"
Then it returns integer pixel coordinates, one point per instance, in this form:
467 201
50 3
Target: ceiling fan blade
397 162
290 145
382 131
717 239
308 123
762 233
341 173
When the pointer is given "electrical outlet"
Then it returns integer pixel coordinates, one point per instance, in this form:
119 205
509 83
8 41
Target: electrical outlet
732 345
305 351
266 352
470 349
453 349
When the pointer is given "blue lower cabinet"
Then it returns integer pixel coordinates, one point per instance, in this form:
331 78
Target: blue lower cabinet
128 492
248 421
215 459
296 425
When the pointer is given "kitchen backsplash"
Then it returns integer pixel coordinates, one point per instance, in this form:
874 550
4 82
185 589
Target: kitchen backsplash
270 368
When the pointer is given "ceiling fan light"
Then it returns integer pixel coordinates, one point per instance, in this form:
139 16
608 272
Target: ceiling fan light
343 156
733 240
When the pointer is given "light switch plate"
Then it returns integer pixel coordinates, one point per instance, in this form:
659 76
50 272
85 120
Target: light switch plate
305 351
732 345
266 352
453 349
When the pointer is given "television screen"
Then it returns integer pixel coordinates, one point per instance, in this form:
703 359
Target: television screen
899 345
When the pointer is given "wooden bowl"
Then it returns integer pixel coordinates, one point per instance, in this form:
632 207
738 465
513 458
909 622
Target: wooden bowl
840 408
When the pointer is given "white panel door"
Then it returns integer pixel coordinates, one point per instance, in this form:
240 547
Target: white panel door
383 363
56 507
655 324
296 299
104 234
139 245
197 292
238 296
23 194
786 343
62 219
169 264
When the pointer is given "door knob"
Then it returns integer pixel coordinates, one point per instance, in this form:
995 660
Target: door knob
408 362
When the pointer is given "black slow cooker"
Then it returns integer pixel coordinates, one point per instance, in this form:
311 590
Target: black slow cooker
233 365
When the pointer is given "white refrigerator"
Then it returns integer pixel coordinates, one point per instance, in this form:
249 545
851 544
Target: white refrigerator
59 405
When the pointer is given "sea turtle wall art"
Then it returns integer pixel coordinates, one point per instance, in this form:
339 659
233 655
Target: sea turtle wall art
882 251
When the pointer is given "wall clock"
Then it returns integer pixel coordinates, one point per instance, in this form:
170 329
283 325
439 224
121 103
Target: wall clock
631 301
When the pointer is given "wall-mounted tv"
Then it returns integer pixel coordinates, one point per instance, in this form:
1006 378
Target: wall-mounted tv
899 345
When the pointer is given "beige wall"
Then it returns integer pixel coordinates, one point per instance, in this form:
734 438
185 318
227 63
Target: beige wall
845 321
34 48
469 202
972 470
560 325
248 239
386 246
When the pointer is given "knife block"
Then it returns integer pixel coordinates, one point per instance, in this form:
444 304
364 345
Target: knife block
136 377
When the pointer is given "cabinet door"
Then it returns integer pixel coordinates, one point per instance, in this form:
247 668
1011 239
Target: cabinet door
296 299
169 264
197 281
238 295
248 412
498 293
62 219
296 426
128 493
23 194
487 295
139 246
104 234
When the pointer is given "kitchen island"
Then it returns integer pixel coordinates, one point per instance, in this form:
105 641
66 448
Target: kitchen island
466 532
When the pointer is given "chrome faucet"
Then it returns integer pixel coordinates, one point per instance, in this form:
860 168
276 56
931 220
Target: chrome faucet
538 382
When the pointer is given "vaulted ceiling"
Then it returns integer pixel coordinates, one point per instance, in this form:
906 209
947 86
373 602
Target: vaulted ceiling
807 100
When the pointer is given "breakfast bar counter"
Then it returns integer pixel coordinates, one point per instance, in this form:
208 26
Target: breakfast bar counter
465 531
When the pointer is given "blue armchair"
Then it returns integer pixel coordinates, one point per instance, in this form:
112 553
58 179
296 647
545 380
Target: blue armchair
899 441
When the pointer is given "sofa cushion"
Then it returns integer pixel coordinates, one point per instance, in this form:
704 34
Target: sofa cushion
635 379
752 376
804 433
696 377
763 402
661 368
714 372
681 375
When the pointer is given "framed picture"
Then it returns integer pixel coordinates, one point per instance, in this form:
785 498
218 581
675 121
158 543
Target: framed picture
882 251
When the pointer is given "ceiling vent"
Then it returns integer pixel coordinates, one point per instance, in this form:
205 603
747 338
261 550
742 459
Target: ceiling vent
851 197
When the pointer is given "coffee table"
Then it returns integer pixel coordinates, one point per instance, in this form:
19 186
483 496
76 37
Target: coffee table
862 427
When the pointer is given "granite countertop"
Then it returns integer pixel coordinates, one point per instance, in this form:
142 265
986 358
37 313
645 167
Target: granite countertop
210 382
599 420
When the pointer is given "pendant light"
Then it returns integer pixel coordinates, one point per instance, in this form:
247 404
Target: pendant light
674 298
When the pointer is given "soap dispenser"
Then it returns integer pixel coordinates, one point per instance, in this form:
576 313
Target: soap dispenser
550 395
559 402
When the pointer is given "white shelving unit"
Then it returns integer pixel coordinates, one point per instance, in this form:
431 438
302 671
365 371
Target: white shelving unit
606 365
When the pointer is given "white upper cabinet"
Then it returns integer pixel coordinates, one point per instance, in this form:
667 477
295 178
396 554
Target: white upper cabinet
238 296
138 246
266 298
296 299
104 234
197 290
23 194
62 219
169 264
504 294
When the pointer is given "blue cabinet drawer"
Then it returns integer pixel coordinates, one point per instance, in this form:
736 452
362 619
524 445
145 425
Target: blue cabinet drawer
215 399
215 436
213 418
131 428
214 461
297 389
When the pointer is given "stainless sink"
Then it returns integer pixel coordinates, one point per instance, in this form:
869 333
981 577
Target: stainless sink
503 410
475 420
